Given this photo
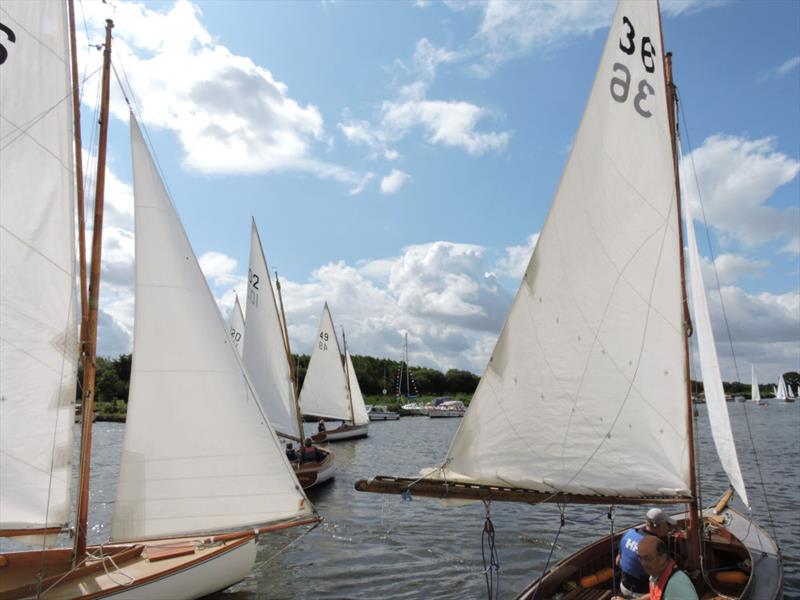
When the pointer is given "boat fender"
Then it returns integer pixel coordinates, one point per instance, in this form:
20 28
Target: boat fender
731 577
594 579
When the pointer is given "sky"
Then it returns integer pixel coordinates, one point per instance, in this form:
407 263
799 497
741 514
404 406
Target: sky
399 158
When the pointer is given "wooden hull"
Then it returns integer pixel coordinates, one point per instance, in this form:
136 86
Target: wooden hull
313 474
735 539
348 432
176 568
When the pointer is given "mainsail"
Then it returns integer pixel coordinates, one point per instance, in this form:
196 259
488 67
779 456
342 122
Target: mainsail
264 352
360 415
587 382
324 392
38 309
781 393
236 326
199 453
709 366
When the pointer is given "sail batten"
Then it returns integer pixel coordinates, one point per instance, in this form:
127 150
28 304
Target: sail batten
38 303
199 453
585 390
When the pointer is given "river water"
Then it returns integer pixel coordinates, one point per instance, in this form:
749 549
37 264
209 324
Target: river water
374 546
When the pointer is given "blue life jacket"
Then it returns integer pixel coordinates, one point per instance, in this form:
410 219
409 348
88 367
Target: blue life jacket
628 559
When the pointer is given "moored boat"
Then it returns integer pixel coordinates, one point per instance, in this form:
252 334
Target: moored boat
378 412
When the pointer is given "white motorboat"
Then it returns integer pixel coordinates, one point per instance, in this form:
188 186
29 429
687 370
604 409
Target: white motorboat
381 413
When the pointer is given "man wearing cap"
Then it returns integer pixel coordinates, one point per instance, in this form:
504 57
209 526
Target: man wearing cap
634 577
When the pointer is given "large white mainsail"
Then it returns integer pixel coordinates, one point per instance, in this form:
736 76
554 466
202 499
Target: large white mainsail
324 392
38 306
199 453
360 415
586 389
236 326
709 366
264 350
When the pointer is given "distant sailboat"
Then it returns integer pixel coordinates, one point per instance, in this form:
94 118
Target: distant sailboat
410 408
236 326
330 388
755 392
195 437
783 392
268 361
589 381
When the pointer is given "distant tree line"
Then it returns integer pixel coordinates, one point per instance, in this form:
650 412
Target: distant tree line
374 375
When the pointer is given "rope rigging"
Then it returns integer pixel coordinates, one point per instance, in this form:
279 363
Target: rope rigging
561 509
491 571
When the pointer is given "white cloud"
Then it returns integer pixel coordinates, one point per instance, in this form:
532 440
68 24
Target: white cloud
231 116
219 269
729 268
447 123
516 259
780 71
736 178
393 181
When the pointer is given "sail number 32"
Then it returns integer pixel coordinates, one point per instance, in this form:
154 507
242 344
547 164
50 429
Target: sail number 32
621 83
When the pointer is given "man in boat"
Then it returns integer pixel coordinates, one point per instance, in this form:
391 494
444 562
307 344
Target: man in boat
310 452
321 426
667 581
291 453
634 577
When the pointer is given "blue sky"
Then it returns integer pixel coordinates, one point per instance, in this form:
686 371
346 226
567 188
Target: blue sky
399 157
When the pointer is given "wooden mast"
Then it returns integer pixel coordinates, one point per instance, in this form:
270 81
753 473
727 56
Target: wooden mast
90 363
347 378
292 371
76 115
693 522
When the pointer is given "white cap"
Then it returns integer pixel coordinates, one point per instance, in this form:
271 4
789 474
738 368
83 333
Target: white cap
656 516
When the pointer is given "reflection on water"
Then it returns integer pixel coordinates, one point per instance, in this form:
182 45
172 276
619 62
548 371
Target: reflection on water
372 546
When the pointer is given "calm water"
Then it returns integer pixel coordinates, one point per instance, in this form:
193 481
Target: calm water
373 546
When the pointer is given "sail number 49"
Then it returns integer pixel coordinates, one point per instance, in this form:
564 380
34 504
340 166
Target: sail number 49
620 84
323 341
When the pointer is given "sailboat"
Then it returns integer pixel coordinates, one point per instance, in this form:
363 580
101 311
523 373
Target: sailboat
589 381
236 325
330 388
755 392
268 360
413 407
790 395
783 391
195 438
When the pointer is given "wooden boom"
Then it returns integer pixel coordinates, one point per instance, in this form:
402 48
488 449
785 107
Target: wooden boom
472 491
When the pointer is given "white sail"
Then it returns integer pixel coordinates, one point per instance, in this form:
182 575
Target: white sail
38 305
781 393
359 408
789 391
324 392
755 393
264 350
586 389
709 366
199 453
236 326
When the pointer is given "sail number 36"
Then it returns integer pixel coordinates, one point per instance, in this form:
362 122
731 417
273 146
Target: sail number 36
621 83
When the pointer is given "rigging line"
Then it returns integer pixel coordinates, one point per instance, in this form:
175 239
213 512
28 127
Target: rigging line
561 508
292 543
491 572
727 328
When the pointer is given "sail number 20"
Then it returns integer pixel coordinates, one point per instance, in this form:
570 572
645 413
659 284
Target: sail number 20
621 82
